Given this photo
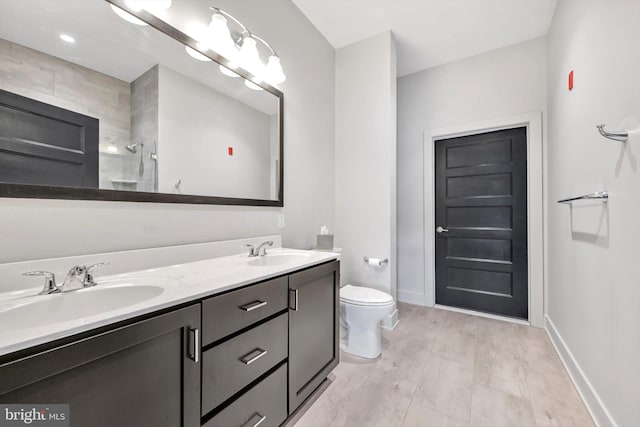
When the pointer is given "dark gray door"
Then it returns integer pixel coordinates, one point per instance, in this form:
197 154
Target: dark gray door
481 222
45 145
313 329
144 374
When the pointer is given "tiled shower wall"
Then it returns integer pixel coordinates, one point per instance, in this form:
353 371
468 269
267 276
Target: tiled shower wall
144 126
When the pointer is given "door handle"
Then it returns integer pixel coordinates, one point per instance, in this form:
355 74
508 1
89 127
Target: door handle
194 344
293 293
441 230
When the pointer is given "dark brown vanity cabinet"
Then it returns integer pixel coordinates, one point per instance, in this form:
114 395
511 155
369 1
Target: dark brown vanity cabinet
244 369
281 343
143 374
314 302
263 350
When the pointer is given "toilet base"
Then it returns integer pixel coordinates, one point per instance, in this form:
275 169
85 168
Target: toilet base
364 342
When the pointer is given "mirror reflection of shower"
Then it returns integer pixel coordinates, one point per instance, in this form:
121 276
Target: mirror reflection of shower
132 149
152 156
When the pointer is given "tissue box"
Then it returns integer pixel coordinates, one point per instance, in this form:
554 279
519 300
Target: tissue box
325 242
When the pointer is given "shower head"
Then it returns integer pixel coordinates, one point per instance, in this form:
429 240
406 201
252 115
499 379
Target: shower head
132 147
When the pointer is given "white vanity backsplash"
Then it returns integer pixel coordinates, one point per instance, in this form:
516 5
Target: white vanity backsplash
12 280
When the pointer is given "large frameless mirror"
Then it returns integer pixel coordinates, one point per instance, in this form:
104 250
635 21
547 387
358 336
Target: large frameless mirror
98 103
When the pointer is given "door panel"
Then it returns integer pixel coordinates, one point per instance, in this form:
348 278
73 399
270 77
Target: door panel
41 144
491 152
108 380
479 185
313 329
491 250
481 202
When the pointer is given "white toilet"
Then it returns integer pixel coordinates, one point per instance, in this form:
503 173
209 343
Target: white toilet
362 310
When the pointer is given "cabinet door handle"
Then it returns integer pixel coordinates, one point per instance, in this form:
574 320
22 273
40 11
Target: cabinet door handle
250 423
256 354
194 344
253 305
293 293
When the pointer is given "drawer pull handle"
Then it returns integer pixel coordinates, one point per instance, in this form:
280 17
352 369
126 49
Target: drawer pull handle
250 423
256 354
253 305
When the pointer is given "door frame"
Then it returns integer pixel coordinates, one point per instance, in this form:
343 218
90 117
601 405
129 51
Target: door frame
535 202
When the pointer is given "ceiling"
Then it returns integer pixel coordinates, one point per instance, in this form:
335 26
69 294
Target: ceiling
431 32
108 44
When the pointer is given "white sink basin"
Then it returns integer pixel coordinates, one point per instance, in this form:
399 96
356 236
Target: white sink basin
40 310
279 259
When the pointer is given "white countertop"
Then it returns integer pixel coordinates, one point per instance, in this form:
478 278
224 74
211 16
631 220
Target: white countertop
180 283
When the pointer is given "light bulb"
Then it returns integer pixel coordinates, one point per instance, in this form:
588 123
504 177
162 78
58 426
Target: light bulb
197 55
219 37
227 72
273 72
249 58
252 85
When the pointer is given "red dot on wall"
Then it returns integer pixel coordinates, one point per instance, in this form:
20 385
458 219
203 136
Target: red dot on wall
230 151
571 80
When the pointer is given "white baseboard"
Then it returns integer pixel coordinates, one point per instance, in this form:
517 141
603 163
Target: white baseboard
410 297
592 401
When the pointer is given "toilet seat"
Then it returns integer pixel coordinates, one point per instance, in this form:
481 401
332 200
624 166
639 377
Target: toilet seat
362 296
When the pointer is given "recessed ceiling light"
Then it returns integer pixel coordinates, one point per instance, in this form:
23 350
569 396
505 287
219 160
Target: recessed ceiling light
67 38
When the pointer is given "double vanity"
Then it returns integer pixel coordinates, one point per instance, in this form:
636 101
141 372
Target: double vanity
228 341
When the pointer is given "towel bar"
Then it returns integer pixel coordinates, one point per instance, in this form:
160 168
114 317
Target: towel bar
601 195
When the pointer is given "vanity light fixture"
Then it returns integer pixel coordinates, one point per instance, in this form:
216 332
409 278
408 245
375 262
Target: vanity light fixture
241 51
153 6
228 72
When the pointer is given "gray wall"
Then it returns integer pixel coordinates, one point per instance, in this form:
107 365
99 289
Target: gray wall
32 229
365 160
497 84
594 268
196 154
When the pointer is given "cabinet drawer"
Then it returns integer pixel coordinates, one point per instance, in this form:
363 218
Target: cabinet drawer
266 401
234 364
228 313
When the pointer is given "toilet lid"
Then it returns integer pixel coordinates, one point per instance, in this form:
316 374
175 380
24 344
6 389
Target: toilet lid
360 295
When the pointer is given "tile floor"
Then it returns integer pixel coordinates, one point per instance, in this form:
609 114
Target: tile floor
441 368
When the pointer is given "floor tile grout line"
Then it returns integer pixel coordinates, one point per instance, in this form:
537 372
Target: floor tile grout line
415 390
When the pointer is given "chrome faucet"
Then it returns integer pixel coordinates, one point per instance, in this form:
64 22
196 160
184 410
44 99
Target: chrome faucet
73 276
260 250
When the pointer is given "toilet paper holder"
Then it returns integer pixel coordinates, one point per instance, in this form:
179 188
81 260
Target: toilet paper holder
380 262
